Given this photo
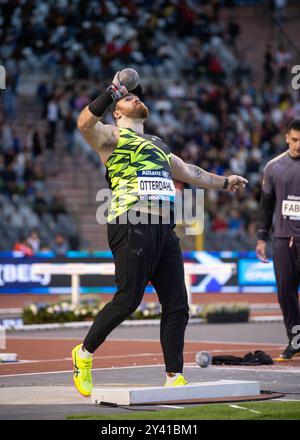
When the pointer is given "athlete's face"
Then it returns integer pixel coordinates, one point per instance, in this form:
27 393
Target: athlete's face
293 141
131 107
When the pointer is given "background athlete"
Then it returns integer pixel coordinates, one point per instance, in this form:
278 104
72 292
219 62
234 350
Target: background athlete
141 252
281 193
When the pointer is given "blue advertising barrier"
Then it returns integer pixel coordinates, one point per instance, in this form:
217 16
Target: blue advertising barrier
251 275
252 272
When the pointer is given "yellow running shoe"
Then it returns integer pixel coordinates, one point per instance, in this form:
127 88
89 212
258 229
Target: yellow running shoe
288 354
82 373
178 382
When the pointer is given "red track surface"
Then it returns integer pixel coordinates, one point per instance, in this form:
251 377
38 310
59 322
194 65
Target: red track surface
19 300
48 355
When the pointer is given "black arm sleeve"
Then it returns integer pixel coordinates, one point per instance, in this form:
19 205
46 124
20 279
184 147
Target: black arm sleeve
265 215
101 104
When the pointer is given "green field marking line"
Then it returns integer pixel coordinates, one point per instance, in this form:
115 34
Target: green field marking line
246 409
271 410
172 406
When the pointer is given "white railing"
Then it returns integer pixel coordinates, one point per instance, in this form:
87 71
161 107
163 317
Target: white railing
75 270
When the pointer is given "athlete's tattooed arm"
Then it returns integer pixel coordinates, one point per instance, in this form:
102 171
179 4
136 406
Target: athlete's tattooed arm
211 179
200 178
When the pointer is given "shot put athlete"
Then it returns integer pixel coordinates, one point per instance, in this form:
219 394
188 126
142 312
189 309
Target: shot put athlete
281 192
141 252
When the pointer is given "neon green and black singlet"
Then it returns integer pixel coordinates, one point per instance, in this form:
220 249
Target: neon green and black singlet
138 170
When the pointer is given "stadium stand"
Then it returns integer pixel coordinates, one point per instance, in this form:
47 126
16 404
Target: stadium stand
216 79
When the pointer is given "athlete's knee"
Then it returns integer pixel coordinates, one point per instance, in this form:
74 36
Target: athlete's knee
125 307
181 311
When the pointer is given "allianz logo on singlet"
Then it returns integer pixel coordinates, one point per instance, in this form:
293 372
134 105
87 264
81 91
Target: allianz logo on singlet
152 173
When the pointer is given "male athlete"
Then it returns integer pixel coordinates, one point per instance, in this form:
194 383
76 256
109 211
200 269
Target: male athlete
140 169
281 191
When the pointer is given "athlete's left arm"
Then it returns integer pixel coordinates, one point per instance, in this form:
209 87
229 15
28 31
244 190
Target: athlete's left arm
196 176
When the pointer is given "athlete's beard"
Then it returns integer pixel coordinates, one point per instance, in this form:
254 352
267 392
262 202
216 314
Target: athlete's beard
139 111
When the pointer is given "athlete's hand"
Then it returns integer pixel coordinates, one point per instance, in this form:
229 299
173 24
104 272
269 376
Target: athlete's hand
116 88
261 251
236 182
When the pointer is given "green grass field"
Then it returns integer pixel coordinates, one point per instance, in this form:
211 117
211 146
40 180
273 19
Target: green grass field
239 411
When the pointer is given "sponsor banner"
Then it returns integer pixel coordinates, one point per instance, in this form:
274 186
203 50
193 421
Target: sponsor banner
16 276
247 274
255 273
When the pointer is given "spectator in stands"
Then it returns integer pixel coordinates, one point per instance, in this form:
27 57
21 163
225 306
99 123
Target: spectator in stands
10 180
33 141
23 246
34 241
69 125
269 65
40 203
52 118
45 248
219 224
58 205
235 223
6 137
29 172
42 93
233 31
61 245
283 61
81 100
9 98
279 10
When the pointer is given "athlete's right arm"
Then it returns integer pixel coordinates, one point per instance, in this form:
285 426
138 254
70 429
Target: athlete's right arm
99 135
96 134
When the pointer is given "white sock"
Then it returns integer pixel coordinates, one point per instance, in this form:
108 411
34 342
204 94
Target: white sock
84 354
173 378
